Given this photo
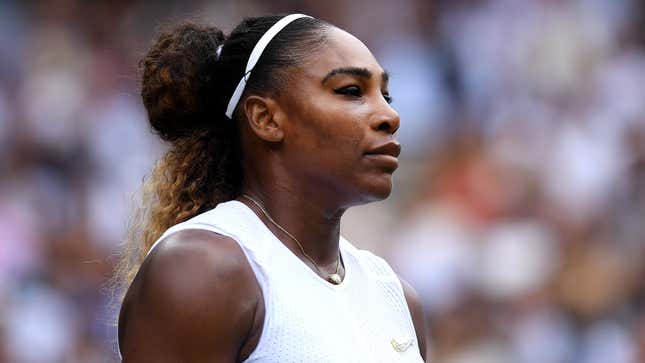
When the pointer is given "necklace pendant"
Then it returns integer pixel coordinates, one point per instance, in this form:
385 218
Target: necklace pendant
335 279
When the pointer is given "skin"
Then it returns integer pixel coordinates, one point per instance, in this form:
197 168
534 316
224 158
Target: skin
195 298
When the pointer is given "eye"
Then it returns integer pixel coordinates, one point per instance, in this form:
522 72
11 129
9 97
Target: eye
354 91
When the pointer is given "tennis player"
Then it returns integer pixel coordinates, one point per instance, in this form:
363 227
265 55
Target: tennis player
274 131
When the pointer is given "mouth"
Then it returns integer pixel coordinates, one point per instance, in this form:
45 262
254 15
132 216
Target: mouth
385 155
391 148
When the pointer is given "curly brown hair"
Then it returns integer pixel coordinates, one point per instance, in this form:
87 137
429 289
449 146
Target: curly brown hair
185 86
201 167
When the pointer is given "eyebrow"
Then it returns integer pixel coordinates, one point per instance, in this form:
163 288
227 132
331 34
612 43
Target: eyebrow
354 71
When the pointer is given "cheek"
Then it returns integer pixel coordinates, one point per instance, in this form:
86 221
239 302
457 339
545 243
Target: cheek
340 136
331 130
327 141
329 147
328 151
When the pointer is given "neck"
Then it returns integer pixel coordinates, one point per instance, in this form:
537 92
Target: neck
313 223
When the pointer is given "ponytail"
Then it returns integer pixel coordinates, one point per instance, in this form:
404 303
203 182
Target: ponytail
185 87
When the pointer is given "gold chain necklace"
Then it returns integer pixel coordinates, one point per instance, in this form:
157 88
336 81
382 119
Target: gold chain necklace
333 278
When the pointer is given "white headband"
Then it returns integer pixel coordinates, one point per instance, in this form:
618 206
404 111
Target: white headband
255 56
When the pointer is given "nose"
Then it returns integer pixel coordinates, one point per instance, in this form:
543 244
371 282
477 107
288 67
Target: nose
388 120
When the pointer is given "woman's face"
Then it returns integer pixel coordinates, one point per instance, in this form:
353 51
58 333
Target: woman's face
339 134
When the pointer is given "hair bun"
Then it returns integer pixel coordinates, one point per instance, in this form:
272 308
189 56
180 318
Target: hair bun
178 80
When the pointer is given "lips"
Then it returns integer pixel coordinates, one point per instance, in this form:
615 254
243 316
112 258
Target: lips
391 148
385 156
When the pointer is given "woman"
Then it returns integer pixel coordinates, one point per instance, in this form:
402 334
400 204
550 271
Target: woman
275 131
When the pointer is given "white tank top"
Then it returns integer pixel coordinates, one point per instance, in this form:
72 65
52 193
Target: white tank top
307 319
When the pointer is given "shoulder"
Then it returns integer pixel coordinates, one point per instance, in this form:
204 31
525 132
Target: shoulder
379 267
418 316
191 265
196 254
194 288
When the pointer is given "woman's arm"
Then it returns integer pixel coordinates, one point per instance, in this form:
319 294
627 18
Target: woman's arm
194 300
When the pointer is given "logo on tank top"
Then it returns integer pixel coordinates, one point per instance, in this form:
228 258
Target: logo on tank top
402 346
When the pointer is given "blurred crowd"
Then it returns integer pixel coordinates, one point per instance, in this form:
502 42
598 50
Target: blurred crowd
518 210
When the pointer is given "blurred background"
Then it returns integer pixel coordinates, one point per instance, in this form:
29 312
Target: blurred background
519 206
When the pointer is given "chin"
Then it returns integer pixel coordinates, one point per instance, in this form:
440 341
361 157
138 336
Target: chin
379 188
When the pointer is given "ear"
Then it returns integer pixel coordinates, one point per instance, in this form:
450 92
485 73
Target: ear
265 117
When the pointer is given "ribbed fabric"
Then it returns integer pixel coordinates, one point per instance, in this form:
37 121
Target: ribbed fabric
308 319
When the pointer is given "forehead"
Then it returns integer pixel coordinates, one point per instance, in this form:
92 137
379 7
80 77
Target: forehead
341 50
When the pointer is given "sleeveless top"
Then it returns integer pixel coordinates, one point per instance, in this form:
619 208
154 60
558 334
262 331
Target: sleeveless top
307 319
